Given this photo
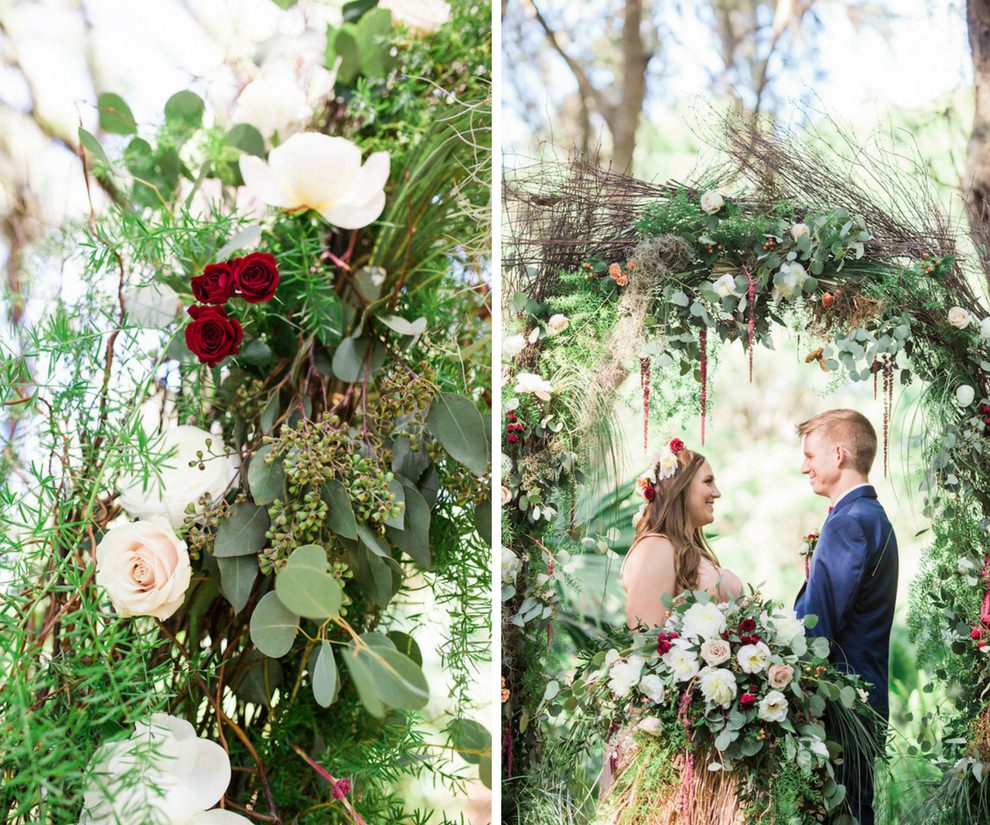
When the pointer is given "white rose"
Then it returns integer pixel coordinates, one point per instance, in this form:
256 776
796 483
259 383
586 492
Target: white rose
419 16
151 306
650 725
725 286
163 773
528 382
985 328
965 395
651 685
667 465
704 621
511 564
274 103
753 658
959 317
314 171
787 625
718 685
682 663
773 707
144 567
624 676
789 280
799 230
512 345
716 651
557 323
181 484
712 201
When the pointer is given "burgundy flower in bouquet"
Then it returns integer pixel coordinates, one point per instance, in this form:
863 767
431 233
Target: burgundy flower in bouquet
255 277
212 336
216 285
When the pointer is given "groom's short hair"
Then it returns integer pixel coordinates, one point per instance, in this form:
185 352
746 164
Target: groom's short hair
849 428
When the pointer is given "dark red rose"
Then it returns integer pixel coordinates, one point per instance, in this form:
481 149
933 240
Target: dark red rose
749 640
513 438
975 633
215 285
649 493
672 635
663 648
212 336
676 445
256 276
747 625
747 699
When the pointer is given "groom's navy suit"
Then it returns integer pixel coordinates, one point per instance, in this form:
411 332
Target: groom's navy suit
851 588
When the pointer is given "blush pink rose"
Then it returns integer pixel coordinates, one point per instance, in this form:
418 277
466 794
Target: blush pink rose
780 676
715 651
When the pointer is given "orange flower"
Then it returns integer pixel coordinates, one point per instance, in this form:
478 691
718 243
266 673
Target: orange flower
614 271
505 691
623 279
827 301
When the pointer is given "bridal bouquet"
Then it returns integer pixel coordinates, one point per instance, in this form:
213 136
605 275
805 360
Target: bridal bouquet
728 704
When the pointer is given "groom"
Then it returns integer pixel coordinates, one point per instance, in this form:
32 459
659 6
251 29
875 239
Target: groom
852 582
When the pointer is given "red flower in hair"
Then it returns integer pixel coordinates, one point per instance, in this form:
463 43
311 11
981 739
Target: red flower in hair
649 493
676 445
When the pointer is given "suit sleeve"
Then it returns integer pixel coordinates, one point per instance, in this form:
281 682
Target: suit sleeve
836 576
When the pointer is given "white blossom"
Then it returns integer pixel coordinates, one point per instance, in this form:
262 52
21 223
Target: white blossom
718 685
712 201
773 707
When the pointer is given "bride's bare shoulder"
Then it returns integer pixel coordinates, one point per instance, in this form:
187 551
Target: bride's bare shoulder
649 553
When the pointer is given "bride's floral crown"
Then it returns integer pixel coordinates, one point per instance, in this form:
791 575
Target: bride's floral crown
664 465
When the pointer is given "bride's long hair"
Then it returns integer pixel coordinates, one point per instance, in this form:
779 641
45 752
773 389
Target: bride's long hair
667 514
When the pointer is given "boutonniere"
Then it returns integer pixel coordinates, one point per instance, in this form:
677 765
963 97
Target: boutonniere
808 550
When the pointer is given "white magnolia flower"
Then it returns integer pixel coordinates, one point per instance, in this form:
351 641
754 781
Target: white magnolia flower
789 280
965 395
985 328
528 382
419 16
787 625
682 663
151 306
274 103
163 773
144 567
311 170
773 707
716 651
512 345
712 201
511 564
557 323
725 286
181 484
718 685
702 621
651 685
959 318
753 658
650 725
624 676
800 230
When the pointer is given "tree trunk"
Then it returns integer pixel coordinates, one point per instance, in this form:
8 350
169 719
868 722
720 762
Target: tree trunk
976 185
623 120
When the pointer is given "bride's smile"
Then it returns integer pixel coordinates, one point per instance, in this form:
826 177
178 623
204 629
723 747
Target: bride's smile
699 499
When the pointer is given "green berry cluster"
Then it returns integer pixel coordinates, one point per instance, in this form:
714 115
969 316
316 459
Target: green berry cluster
463 486
403 396
312 452
297 522
201 523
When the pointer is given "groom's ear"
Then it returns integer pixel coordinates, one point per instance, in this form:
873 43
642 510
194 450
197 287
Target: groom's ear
841 455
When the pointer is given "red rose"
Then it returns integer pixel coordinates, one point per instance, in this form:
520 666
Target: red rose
747 699
256 276
672 635
975 633
649 493
212 336
663 648
676 445
512 439
747 625
215 285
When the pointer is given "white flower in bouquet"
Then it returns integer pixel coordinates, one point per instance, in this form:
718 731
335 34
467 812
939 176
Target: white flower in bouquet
718 685
650 725
557 323
716 651
787 625
965 395
683 663
780 675
790 280
511 564
624 675
181 484
753 658
702 621
311 170
818 747
800 230
985 328
959 318
419 16
144 567
725 286
512 345
863 695
712 201
773 707
163 773
652 687
506 495
274 103
611 657
528 382
151 306
667 464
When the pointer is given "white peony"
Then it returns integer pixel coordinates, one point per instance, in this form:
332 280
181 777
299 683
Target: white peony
274 103
528 382
725 286
702 621
718 685
557 323
716 651
651 685
787 625
712 201
667 465
144 567
753 658
311 170
419 16
181 484
985 328
800 230
773 707
512 345
789 280
965 395
151 306
163 773
682 663
624 675
959 318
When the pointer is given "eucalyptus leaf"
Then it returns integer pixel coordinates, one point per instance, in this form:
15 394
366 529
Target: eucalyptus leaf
184 108
364 682
305 587
406 645
325 678
483 520
456 423
352 362
92 145
340 517
265 480
273 626
243 534
402 326
470 739
399 681
237 577
414 539
115 115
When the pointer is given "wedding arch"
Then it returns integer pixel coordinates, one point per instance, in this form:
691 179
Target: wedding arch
605 274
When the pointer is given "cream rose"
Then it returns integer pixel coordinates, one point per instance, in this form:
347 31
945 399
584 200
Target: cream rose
144 567
780 675
557 323
712 201
965 395
718 685
800 230
624 676
959 318
787 625
667 465
506 495
181 485
419 16
715 651
789 280
753 658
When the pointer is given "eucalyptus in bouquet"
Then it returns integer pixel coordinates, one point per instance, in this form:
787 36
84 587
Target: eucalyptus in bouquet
729 713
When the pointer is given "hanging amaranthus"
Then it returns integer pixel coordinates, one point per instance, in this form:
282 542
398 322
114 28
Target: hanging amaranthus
751 326
703 346
687 780
888 404
644 383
